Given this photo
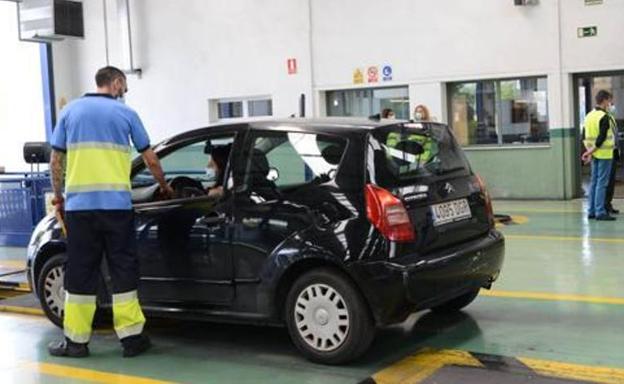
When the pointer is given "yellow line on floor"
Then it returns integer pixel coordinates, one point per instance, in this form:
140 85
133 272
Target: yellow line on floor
575 371
423 364
90 375
553 297
417 367
565 238
21 310
535 210
13 264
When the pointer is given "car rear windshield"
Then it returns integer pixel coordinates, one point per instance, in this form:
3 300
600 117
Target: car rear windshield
407 152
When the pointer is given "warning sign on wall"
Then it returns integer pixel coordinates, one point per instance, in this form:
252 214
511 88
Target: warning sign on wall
373 74
358 76
292 66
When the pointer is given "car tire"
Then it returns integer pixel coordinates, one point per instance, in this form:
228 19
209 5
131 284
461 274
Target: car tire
50 290
328 319
457 303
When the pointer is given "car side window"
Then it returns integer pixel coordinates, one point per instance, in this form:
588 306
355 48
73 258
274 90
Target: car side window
283 160
192 160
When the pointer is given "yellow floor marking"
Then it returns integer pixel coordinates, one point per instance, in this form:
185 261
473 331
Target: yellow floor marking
565 238
536 210
21 310
7 293
423 364
13 263
553 297
417 367
574 371
90 375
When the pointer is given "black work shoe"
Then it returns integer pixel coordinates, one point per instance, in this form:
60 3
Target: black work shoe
591 217
135 345
67 348
605 218
613 211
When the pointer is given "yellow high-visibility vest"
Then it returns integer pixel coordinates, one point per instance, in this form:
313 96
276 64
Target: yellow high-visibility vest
592 129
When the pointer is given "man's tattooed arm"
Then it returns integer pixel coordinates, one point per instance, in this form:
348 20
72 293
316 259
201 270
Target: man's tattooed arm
57 171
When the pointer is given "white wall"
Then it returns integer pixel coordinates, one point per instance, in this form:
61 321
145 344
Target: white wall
197 50
21 93
432 42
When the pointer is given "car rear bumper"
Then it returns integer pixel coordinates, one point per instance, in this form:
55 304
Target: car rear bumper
396 288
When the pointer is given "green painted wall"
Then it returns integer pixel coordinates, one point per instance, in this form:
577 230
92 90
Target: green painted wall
545 172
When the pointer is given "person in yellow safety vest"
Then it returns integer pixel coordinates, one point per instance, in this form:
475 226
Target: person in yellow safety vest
599 143
93 134
394 138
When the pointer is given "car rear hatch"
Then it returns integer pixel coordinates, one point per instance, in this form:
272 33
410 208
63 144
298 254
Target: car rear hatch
423 167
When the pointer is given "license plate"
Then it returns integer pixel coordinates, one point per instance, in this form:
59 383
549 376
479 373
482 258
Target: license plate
451 212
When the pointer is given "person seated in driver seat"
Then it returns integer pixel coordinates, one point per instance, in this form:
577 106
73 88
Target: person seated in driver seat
215 170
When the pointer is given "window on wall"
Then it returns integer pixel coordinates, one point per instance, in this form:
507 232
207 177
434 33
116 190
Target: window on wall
243 107
369 101
260 107
497 112
230 109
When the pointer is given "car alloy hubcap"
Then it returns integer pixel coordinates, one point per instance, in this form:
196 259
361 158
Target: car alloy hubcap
53 290
322 317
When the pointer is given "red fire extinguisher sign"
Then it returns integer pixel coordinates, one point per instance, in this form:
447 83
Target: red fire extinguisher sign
292 66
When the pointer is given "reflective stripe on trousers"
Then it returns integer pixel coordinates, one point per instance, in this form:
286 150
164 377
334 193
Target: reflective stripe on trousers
79 311
128 317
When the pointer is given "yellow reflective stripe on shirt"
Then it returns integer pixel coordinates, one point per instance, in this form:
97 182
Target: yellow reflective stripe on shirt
97 187
98 167
96 145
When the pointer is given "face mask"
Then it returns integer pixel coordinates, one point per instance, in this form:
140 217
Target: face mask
210 173
419 116
612 109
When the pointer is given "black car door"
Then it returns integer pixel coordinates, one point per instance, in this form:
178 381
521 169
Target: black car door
281 193
184 244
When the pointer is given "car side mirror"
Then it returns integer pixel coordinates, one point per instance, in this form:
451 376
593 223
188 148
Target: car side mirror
273 174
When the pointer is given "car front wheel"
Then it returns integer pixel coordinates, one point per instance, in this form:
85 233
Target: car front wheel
327 318
50 288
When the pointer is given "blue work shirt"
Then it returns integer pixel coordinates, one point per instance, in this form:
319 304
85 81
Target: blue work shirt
95 131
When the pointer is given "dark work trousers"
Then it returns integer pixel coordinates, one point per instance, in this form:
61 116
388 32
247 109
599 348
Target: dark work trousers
611 185
96 234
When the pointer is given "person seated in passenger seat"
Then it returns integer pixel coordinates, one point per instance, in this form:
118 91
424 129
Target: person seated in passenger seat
215 169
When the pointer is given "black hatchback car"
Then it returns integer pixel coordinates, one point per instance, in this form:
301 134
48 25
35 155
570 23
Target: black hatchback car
331 227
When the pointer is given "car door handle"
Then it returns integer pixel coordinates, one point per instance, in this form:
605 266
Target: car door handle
213 220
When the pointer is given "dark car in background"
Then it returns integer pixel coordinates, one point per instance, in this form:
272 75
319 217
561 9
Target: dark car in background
331 227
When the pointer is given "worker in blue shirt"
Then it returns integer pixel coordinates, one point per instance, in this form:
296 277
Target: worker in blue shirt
93 137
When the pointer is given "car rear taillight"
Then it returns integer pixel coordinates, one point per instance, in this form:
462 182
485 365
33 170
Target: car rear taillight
388 214
488 200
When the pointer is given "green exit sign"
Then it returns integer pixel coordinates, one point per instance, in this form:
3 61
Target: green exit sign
587 31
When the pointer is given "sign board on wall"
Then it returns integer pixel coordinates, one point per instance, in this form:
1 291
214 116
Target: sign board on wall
358 76
587 31
386 72
373 74
292 66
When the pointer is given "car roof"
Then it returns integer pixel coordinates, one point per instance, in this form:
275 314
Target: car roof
330 125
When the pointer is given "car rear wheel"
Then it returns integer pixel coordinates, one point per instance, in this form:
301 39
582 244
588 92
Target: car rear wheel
50 288
457 303
328 319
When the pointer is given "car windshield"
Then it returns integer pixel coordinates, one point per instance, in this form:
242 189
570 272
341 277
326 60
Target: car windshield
410 151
